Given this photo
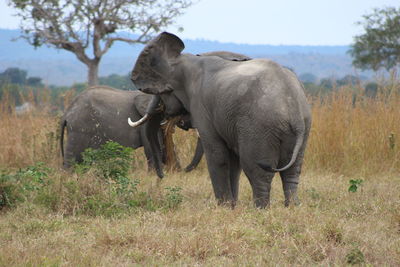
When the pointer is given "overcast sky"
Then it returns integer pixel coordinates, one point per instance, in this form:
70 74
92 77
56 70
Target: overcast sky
288 22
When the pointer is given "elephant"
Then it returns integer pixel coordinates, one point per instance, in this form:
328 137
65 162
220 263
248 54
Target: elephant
251 115
173 107
93 118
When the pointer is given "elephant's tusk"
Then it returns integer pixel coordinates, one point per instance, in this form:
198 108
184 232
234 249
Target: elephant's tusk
139 122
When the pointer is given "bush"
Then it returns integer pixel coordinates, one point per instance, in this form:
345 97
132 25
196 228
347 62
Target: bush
19 186
101 186
111 161
355 256
173 197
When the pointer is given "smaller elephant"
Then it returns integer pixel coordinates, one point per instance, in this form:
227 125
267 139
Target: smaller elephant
98 115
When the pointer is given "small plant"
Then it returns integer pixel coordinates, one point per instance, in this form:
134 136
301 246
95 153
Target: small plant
392 141
313 193
111 160
10 192
333 233
354 184
16 187
355 256
173 197
112 191
34 177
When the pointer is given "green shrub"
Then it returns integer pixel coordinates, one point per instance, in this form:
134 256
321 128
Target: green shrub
111 161
10 192
102 186
19 186
173 197
354 184
355 256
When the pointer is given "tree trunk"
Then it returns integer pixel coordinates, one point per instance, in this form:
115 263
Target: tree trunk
93 73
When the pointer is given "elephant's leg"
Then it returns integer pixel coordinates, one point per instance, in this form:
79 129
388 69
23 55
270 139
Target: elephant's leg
234 174
76 144
290 177
290 181
260 180
218 162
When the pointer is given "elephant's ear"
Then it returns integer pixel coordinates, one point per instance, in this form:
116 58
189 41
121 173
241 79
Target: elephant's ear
153 67
171 44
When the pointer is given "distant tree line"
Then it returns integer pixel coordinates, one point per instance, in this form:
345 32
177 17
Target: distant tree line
20 77
17 83
315 86
22 88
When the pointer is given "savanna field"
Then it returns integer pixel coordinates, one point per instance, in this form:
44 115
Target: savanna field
349 192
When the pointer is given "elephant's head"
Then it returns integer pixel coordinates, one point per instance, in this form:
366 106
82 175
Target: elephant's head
167 104
152 73
155 72
155 64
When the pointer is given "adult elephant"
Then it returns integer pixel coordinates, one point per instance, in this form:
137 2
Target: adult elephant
98 115
251 115
172 106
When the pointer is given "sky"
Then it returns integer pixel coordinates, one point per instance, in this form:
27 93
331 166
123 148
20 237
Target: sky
283 22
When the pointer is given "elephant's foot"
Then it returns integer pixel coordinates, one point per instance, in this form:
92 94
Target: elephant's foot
226 203
261 203
291 198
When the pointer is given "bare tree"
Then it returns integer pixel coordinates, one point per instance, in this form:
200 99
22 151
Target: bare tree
88 28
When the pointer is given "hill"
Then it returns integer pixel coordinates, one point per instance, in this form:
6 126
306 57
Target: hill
60 67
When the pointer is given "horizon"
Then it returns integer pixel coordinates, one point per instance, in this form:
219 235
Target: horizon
60 67
201 39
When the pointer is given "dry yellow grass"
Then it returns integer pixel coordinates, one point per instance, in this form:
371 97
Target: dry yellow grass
327 227
330 227
354 134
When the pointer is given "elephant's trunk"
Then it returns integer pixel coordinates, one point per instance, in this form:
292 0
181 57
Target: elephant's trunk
151 110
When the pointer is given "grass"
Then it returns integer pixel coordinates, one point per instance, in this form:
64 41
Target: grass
176 221
355 134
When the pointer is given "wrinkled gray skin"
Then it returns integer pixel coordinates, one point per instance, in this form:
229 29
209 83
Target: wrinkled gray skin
173 107
251 115
99 115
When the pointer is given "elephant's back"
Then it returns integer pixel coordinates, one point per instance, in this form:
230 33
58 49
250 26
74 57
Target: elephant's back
103 112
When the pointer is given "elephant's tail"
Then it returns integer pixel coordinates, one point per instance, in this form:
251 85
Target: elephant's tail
299 143
63 124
